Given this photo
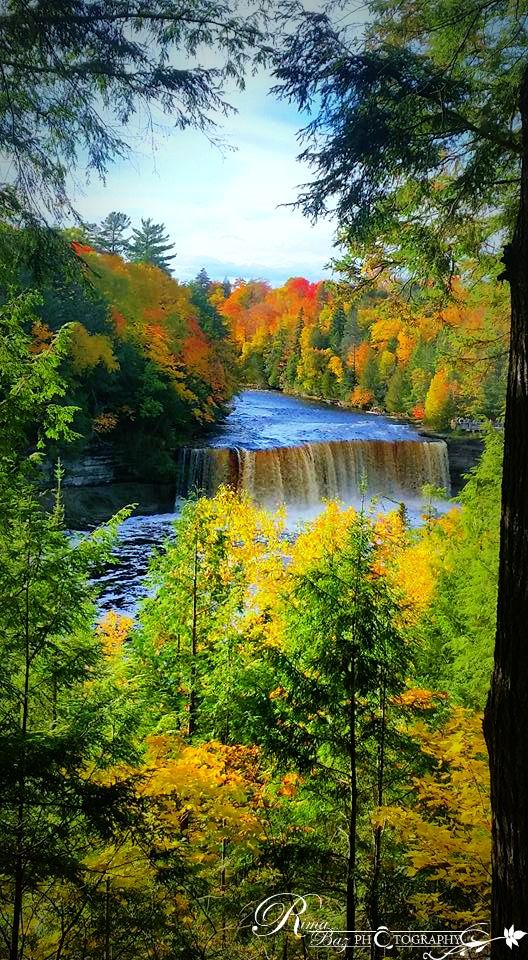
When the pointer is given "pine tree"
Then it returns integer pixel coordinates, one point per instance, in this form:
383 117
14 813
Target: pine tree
203 279
150 244
337 328
290 370
343 663
109 236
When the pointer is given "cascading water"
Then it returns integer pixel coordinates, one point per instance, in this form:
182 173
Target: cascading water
303 476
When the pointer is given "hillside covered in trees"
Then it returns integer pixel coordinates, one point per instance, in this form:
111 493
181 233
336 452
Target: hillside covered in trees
420 356
149 361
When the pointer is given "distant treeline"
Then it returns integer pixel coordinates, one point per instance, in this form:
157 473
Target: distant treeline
416 356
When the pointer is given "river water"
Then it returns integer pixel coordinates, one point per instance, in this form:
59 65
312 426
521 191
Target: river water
282 449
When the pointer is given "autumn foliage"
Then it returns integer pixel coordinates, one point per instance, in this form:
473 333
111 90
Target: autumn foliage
418 356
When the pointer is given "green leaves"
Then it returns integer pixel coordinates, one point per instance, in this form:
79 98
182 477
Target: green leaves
413 138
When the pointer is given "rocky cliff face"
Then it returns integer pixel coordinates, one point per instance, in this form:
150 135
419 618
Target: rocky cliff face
463 455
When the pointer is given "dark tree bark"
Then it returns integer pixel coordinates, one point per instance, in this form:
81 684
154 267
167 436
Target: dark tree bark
506 716
353 812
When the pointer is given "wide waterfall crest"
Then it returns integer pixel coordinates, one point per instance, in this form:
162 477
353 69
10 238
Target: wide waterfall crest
304 475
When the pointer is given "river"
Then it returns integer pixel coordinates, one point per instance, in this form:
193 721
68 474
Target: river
283 449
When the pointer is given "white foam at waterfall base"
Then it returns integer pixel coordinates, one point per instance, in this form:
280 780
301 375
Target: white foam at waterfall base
382 473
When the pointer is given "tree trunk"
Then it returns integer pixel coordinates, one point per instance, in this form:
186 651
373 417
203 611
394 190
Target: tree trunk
378 831
506 716
353 812
19 867
192 693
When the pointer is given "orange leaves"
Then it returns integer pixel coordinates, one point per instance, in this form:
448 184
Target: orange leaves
290 785
119 321
42 335
361 397
105 423
254 308
80 248
418 698
358 357
157 312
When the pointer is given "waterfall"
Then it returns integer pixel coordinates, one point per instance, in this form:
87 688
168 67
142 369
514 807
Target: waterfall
304 475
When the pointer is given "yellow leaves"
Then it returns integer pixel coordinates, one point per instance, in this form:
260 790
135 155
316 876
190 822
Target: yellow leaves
405 347
446 831
113 630
326 535
215 785
384 329
438 402
415 575
87 350
335 366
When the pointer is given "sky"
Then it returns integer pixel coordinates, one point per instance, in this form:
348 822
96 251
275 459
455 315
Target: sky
222 207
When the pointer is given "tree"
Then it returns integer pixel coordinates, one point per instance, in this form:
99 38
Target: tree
109 237
337 328
343 662
203 280
438 401
74 77
431 115
54 697
150 244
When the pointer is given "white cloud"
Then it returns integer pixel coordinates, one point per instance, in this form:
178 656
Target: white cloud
222 208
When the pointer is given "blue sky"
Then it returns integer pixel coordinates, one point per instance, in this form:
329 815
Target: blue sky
222 207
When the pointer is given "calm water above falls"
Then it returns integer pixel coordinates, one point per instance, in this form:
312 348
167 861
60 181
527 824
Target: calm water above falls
262 419
282 449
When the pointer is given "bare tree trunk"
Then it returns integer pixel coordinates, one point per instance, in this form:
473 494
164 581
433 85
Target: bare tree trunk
506 716
19 869
353 811
192 692
376 868
107 942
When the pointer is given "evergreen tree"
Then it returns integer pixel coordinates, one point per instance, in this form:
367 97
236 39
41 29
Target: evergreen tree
211 322
337 328
109 236
203 280
344 661
290 370
275 357
76 77
150 244
369 378
59 715
396 398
